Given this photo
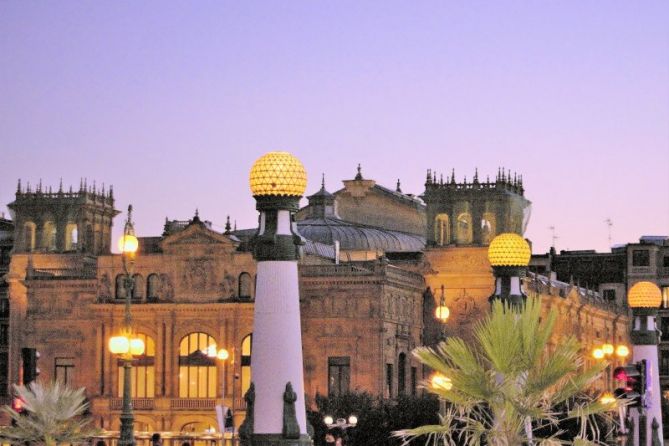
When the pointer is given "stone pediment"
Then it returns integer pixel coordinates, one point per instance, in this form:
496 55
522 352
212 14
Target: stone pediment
196 234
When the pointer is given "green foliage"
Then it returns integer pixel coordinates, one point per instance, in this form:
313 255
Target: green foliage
53 415
506 384
377 418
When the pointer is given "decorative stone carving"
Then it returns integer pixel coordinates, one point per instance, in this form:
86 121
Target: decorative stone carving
166 288
228 285
291 429
104 287
246 428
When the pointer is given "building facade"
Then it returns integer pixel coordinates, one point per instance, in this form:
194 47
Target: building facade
367 295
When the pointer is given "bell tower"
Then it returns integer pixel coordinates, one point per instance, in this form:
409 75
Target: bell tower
473 213
73 221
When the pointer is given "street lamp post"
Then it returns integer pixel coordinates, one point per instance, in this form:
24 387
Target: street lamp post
340 423
125 345
223 355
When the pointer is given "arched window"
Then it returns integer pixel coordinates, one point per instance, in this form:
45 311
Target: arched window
71 237
49 236
29 236
442 230
120 286
246 363
143 372
488 227
197 371
152 287
463 233
401 373
245 286
137 286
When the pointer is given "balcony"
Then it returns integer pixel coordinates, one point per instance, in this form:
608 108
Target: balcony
137 403
192 404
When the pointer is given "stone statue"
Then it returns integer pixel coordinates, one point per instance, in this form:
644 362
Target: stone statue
291 430
166 288
246 428
104 288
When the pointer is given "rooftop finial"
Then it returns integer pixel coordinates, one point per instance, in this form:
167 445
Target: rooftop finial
399 189
434 176
323 181
499 175
503 178
508 177
39 186
18 187
441 178
129 212
515 179
111 191
227 225
487 178
235 226
428 179
359 174
197 212
93 186
28 187
453 175
476 175
60 186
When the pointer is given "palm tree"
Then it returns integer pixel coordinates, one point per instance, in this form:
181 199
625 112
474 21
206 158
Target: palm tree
503 388
53 416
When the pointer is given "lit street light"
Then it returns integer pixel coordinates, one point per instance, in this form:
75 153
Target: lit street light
125 345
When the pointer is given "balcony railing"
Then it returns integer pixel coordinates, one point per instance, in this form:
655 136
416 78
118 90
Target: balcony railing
137 403
192 404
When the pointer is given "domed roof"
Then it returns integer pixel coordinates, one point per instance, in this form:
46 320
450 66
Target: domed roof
353 236
644 295
278 173
509 249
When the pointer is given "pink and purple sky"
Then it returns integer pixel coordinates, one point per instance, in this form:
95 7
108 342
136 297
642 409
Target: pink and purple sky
171 102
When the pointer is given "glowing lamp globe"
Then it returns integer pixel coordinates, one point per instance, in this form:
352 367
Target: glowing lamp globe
607 399
128 244
223 354
328 420
440 381
210 351
622 351
442 312
598 353
608 349
353 420
119 345
278 173
136 346
509 249
644 295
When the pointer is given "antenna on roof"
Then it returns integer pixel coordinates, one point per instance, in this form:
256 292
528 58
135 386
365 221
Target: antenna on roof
609 223
553 236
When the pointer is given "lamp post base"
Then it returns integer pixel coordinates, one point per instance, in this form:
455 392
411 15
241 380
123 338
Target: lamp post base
279 440
127 437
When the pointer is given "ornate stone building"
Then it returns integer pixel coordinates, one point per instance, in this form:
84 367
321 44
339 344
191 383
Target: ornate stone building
375 262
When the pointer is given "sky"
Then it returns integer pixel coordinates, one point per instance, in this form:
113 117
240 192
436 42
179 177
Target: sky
172 102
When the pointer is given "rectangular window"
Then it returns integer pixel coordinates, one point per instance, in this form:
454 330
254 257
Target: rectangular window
665 262
4 308
664 362
3 373
339 375
414 381
65 370
4 335
640 257
610 294
664 328
389 380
